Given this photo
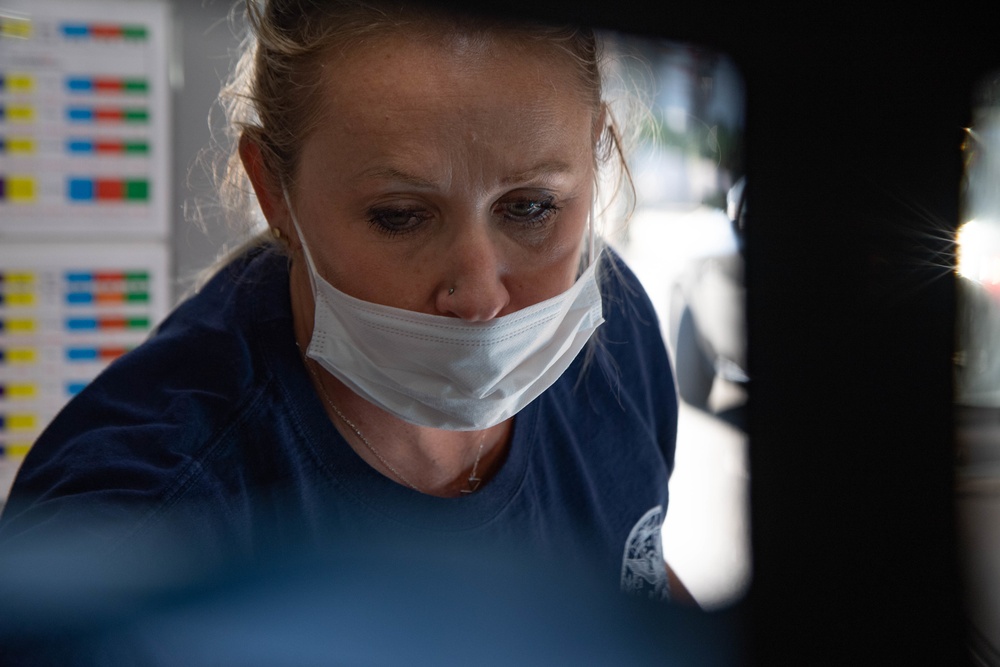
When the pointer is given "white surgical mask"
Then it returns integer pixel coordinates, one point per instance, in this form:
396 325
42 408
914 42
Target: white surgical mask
445 372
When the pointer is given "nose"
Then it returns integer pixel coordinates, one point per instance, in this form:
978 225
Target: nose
472 285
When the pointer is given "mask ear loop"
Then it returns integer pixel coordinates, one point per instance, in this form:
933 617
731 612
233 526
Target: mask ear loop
592 243
302 239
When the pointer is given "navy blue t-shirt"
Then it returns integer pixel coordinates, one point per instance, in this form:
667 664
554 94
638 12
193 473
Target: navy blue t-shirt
210 438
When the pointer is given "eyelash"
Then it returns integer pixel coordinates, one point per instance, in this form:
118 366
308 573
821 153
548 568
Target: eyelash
547 208
379 218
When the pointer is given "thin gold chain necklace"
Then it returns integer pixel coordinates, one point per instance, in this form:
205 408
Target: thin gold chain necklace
474 481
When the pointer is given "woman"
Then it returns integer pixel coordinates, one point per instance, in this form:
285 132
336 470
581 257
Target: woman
411 349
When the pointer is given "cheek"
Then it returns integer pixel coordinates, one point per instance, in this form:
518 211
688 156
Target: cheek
531 288
576 232
559 270
339 260
371 272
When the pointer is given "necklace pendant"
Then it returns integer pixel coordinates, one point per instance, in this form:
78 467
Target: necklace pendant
473 485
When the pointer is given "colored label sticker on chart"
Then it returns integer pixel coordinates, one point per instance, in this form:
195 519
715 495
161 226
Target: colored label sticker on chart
18 189
103 31
18 356
82 190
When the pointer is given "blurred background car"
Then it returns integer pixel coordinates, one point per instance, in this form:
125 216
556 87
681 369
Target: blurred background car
707 334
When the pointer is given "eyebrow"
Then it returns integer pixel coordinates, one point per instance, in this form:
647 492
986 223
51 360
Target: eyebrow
392 174
544 169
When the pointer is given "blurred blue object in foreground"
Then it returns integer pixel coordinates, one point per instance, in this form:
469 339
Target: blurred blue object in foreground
433 605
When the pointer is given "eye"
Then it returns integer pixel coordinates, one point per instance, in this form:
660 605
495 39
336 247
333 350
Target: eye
396 221
528 210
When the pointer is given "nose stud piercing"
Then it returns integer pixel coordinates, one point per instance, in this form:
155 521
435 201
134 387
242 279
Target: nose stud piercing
451 290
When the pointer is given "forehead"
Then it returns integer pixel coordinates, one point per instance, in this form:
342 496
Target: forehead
440 49
406 83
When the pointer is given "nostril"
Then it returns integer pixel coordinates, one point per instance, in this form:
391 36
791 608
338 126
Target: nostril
474 302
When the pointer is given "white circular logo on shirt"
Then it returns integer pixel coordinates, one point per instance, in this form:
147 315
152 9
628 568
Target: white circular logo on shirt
644 570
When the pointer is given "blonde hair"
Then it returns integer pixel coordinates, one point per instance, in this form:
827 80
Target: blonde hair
272 96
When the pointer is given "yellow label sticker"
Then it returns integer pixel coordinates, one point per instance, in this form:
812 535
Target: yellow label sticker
19 299
15 27
21 391
18 326
17 449
21 356
21 114
22 145
21 189
20 422
20 83
19 277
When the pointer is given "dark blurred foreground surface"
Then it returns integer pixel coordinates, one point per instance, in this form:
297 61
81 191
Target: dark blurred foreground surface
433 605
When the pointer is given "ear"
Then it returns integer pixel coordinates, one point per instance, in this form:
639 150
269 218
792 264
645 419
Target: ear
272 204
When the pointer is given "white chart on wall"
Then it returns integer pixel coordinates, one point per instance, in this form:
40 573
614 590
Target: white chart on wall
84 118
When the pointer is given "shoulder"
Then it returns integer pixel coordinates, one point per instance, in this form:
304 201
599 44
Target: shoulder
632 326
623 293
626 360
627 371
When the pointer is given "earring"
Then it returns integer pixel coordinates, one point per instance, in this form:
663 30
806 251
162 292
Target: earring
276 233
451 290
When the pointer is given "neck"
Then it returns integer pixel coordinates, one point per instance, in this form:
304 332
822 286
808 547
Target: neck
432 461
